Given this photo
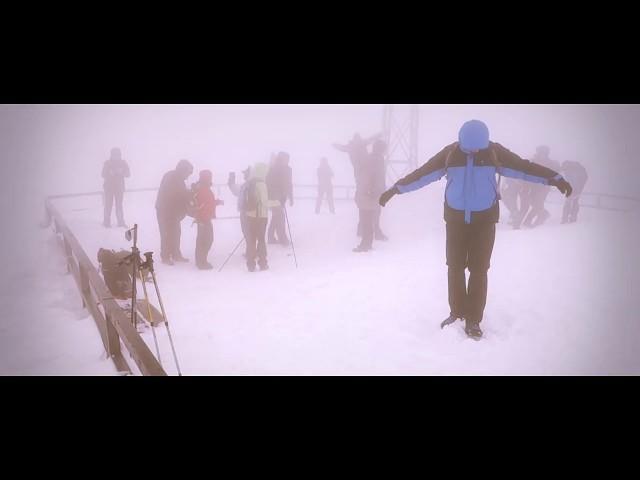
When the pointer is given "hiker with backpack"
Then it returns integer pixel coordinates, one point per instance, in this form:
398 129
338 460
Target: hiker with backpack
114 171
205 204
471 211
239 191
172 205
256 204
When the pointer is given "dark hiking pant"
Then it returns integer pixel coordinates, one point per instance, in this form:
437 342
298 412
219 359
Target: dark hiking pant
245 229
469 246
376 223
538 214
170 232
277 228
325 191
256 243
111 195
204 240
367 226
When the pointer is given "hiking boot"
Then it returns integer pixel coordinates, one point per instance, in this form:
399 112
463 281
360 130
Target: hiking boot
361 248
264 266
167 261
180 258
472 329
251 267
205 266
451 319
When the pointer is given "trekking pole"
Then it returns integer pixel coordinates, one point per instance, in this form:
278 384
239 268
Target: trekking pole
153 327
290 237
149 263
134 275
231 254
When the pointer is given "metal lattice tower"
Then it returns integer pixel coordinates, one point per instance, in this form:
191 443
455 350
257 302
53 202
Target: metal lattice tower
400 132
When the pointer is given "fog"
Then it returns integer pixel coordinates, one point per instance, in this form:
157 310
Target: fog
60 148
57 149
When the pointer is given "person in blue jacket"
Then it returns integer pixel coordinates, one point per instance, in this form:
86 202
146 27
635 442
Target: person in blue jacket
471 211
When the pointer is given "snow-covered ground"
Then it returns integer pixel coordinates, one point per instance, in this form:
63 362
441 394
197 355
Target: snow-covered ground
43 329
560 297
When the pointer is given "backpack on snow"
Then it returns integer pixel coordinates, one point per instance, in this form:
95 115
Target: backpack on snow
116 272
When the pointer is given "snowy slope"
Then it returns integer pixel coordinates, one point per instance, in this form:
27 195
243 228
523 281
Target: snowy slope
560 297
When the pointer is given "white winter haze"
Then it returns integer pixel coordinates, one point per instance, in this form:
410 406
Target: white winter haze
561 297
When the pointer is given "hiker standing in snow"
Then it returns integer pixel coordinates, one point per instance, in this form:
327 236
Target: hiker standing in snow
172 204
257 204
359 157
238 191
114 171
205 211
280 188
325 185
578 177
538 193
471 211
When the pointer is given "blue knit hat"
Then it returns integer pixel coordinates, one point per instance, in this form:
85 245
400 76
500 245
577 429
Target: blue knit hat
474 135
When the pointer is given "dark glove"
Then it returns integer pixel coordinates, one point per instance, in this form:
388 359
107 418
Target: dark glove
562 185
386 196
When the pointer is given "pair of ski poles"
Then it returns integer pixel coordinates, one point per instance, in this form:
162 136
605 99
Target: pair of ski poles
286 216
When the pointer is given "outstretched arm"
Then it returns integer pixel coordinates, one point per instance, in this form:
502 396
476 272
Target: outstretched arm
428 173
511 165
341 148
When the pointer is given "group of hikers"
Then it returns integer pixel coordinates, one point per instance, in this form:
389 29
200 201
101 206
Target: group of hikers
471 207
526 201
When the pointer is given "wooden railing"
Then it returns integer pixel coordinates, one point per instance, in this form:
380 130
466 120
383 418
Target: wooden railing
112 322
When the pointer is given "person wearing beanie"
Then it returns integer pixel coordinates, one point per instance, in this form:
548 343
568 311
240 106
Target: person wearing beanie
205 204
172 204
471 211
114 171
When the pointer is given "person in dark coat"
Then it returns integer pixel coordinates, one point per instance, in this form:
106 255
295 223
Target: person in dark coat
325 185
205 211
577 175
280 188
367 192
114 171
538 193
471 211
172 205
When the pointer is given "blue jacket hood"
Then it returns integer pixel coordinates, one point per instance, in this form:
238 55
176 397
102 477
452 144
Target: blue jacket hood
474 135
